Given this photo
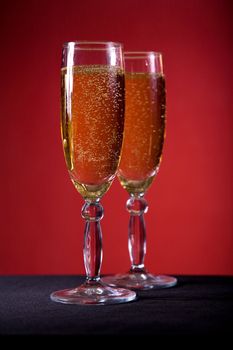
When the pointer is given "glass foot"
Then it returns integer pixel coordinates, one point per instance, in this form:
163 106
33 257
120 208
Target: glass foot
140 281
93 293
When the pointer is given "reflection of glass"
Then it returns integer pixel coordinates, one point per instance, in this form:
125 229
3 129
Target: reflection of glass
92 122
141 155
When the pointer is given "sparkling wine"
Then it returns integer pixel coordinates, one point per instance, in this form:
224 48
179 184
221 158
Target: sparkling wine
92 123
144 130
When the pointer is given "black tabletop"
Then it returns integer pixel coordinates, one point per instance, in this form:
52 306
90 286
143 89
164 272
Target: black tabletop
196 306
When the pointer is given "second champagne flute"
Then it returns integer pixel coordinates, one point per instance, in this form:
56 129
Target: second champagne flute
145 121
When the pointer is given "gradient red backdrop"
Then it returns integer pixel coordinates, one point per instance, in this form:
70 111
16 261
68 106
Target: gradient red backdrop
190 222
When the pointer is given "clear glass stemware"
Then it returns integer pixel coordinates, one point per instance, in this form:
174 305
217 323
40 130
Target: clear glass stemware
92 123
145 121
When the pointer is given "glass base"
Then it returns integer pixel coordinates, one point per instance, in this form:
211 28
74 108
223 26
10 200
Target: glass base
93 293
140 281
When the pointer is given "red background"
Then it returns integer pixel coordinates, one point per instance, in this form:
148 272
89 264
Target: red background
190 222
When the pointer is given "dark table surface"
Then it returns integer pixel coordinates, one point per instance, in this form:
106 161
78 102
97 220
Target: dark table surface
196 306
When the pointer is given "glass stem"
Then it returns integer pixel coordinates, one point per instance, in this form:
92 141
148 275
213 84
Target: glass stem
92 212
137 206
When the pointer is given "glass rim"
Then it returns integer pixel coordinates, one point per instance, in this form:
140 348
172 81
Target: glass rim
100 45
141 54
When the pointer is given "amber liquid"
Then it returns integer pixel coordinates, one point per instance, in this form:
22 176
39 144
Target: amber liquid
92 123
144 130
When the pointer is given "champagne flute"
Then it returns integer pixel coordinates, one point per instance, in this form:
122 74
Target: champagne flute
145 121
92 123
